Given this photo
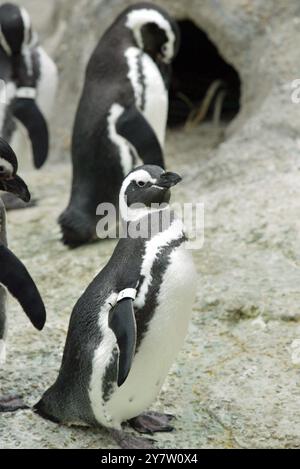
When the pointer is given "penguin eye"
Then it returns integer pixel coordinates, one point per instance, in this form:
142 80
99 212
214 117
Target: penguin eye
164 48
4 171
141 183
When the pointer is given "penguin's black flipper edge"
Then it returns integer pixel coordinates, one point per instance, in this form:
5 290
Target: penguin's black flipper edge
133 126
15 277
122 322
28 113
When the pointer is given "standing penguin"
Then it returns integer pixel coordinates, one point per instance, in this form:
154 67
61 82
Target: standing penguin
128 326
30 79
13 274
122 114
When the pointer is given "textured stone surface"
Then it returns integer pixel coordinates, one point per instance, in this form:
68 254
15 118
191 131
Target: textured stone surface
237 381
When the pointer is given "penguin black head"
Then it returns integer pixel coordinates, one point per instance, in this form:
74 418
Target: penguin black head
9 181
144 186
154 31
15 28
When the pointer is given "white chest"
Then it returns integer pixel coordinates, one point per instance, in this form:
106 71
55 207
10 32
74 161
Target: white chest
47 84
149 90
164 339
6 95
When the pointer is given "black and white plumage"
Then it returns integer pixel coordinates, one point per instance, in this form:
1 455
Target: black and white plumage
30 78
13 274
121 117
128 326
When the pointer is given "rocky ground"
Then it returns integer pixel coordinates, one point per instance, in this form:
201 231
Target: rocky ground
236 383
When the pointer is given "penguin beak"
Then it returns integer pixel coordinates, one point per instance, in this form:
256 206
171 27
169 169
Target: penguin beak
168 180
17 186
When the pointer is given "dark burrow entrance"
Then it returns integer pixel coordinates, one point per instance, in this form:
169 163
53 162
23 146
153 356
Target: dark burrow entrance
204 86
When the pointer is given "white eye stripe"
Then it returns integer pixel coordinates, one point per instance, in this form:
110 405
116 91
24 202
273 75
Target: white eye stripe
145 181
142 182
137 18
139 175
27 24
7 165
4 43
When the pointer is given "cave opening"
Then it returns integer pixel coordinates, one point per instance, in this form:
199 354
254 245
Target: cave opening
203 86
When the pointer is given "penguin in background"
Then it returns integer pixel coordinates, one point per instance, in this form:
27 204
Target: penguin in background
122 114
128 326
28 86
13 274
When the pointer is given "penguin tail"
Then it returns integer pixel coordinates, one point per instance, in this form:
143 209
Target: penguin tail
49 406
41 408
77 227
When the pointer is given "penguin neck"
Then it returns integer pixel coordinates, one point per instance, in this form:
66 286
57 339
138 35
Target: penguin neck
129 215
147 224
113 34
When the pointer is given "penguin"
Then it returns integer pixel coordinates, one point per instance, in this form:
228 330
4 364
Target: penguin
122 113
13 274
128 326
28 86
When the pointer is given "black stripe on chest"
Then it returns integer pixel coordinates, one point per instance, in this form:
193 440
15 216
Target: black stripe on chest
144 315
141 80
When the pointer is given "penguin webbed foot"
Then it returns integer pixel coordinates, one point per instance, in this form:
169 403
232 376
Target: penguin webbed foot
12 404
152 422
128 441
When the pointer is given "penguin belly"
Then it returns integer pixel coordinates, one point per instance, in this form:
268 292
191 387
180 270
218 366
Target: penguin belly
21 144
156 99
149 89
159 347
47 83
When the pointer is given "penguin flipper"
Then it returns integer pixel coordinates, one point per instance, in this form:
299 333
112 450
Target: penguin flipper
122 322
133 126
28 113
15 277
